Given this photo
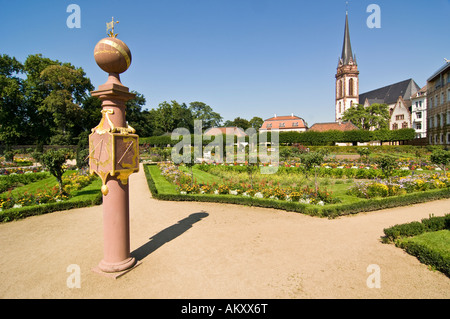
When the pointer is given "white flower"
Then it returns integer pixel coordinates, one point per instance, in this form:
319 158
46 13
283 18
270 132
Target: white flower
216 192
183 193
321 203
233 192
259 195
17 206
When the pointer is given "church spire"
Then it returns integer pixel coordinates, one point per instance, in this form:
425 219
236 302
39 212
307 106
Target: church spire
347 54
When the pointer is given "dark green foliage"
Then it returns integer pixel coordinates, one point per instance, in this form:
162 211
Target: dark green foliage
54 161
416 228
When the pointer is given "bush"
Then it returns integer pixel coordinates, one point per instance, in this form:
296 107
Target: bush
427 255
416 228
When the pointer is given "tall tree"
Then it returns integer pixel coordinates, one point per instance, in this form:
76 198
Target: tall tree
203 112
256 122
39 123
68 87
241 123
375 116
12 115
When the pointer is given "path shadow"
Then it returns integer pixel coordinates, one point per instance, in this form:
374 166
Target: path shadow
167 235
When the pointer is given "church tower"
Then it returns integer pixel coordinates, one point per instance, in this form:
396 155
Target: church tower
347 77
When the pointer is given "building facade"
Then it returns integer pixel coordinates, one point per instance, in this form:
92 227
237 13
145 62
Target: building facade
347 77
400 115
438 102
419 112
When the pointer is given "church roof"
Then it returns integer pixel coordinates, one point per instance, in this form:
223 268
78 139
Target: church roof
347 53
390 93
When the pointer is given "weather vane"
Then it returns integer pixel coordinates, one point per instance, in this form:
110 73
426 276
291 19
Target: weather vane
110 26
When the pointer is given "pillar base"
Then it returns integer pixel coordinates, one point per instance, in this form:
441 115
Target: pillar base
115 270
116 267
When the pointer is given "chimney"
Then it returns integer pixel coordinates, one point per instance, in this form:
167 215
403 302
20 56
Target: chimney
274 115
292 114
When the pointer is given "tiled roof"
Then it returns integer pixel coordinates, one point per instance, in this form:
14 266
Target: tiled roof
334 126
389 94
284 123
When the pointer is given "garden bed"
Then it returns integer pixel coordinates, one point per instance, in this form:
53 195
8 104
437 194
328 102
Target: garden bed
41 194
340 203
428 240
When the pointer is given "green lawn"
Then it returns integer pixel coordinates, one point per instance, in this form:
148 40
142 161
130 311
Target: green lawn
438 241
202 177
162 185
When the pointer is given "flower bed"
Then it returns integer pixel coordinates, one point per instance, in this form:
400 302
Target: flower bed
399 186
72 183
264 189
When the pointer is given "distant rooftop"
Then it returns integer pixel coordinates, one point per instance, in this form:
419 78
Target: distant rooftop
390 93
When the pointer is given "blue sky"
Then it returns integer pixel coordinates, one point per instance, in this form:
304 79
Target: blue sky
242 57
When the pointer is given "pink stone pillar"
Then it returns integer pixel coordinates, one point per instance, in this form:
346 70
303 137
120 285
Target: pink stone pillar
116 234
114 155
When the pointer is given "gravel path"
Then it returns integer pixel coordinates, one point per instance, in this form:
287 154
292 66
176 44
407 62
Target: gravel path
207 250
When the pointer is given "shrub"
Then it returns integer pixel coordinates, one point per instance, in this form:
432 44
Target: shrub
416 228
54 161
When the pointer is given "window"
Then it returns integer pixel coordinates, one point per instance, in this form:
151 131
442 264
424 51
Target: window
282 125
340 107
448 117
419 115
404 125
430 120
400 117
431 102
442 138
448 138
269 125
418 126
448 95
436 100
350 87
395 126
295 124
442 98
420 103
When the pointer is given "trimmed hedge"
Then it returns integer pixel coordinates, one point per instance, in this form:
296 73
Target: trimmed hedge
423 253
309 138
416 228
24 212
329 211
427 256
